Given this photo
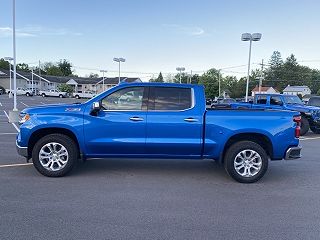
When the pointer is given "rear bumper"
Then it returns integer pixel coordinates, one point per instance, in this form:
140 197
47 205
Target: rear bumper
23 151
293 153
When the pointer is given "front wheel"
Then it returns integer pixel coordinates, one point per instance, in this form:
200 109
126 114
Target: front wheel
304 126
43 95
27 94
246 161
55 155
60 96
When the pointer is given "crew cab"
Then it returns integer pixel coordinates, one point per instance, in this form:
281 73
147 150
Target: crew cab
85 94
161 120
310 115
23 91
53 93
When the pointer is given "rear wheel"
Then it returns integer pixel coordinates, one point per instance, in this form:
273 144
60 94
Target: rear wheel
304 126
60 96
55 155
27 94
77 97
246 161
43 95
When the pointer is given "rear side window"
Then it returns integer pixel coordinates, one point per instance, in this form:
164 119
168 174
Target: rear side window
170 99
261 99
276 100
314 102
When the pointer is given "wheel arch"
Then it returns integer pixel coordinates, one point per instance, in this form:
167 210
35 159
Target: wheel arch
38 134
259 138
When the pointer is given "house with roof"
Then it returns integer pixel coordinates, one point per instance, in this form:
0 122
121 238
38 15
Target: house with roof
263 90
297 90
47 82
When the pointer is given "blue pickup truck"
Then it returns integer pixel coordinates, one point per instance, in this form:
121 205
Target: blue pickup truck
310 115
156 120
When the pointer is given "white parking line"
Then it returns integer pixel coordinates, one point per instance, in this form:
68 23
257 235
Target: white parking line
310 138
25 104
42 103
16 165
8 133
13 124
0 104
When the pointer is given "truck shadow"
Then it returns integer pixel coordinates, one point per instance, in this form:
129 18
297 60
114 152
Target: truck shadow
151 166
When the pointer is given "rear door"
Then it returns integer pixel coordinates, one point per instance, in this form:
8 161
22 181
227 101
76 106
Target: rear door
261 101
174 125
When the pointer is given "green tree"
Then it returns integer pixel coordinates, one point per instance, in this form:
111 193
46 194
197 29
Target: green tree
4 64
318 93
65 88
93 75
210 81
65 67
158 79
23 67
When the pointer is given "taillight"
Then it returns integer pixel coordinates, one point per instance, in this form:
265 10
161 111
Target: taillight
297 120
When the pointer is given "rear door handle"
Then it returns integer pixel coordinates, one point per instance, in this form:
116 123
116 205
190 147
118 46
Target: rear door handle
136 119
190 119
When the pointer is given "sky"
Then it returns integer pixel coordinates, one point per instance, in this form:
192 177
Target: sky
156 36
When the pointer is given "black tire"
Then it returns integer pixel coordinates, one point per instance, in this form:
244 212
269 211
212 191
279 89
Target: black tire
43 95
62 139
77 97
315 130
60 96
230 158
27 94
304 126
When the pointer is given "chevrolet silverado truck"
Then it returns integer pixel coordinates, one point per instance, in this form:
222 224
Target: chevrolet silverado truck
161 120
310 115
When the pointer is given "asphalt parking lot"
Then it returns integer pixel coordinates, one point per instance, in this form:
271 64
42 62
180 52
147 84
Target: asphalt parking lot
155 199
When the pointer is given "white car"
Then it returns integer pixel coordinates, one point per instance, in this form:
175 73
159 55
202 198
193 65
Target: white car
24 91
85 94
53 93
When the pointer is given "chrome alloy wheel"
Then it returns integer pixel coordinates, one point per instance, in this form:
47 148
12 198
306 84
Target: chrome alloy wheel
248 163
53 156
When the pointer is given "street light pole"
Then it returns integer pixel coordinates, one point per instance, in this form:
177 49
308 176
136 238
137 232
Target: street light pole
14 57
219 81
119 60
254 37
103 71
180 70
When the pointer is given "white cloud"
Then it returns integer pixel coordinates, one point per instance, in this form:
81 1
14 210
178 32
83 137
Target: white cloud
189 30
36 30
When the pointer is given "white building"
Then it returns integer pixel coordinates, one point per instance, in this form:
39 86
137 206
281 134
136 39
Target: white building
295 90
264 90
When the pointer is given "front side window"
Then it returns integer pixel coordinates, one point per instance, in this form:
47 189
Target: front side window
171 99
262 99
124 99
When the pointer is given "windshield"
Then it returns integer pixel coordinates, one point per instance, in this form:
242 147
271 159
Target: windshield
292 100
314 102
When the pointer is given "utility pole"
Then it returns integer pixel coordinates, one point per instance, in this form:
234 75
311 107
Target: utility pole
261 77
191 77
39 76
219 82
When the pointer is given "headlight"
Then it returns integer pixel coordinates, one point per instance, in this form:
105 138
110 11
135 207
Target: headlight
24 118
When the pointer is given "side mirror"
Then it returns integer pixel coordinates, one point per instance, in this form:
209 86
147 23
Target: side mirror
96 106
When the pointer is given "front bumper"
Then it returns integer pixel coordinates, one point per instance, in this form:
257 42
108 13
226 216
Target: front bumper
293 153
23 151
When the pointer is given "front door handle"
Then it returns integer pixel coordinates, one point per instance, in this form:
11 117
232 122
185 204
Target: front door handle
190 119
136 119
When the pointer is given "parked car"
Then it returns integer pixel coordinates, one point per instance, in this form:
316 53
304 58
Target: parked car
314 101
223 103
53 93
1 91
24 91
208 101
310 115
85 94
162 121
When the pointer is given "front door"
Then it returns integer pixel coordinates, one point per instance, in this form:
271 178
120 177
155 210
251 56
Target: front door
119 129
